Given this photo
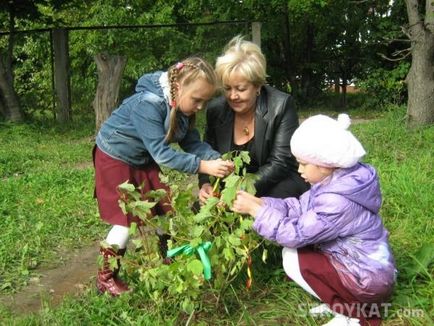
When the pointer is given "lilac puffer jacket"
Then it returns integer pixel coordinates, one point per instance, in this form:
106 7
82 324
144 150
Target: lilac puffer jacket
339 216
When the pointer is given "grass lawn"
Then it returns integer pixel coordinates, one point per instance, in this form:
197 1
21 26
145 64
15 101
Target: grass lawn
47 209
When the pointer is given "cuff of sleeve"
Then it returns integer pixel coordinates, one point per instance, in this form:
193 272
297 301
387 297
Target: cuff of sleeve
267 201
215 155
261 212
196 165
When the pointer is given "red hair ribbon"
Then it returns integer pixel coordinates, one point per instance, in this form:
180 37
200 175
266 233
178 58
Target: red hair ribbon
179 65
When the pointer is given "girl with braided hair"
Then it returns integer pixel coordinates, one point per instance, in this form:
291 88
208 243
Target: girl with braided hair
135 141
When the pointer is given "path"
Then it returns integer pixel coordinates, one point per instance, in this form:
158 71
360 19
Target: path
74 276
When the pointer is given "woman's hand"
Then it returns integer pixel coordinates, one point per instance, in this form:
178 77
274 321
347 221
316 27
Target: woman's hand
217 168
205 192
246 203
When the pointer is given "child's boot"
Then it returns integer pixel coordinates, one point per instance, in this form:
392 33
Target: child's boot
107 279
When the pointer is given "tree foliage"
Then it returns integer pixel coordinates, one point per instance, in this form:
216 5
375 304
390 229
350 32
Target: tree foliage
308 44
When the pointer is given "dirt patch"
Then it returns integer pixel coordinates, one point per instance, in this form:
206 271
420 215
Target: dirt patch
74 276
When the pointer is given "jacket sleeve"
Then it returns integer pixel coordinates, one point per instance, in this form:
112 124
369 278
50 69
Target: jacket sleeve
149 124
331 218
191 143
279 160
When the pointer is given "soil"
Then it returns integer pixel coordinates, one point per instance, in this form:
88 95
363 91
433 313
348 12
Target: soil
76 274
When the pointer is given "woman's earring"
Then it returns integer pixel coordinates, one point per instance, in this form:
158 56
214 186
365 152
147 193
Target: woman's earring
258 93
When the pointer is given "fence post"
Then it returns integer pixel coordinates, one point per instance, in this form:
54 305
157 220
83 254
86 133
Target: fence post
61 74
256 33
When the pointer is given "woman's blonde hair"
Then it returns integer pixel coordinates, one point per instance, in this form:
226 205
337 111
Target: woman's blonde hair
244 57
184 73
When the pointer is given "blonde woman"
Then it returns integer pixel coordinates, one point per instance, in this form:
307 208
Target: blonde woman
135 141
254 117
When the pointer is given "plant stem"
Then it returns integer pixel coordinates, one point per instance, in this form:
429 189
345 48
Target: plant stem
216 185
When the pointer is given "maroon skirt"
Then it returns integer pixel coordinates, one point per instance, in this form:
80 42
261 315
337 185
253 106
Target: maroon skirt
110 173
322 277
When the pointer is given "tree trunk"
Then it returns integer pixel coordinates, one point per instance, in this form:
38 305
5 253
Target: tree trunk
337 86
61 75
307 73
12 106
343 95
285 49
110 69
3 112
420 79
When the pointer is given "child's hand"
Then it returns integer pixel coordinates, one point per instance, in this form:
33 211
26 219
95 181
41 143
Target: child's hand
217 168
246 203
205 192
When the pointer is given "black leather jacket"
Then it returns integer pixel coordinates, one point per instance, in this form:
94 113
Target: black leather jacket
275 121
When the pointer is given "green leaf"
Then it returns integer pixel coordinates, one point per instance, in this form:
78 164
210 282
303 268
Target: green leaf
133 229
197 231
126 187
195 266
246 224
205 210
228 254
248 183
227 156
187 306
234 240
156 194
228 195
245 156
196 242
123 207
238 162
231 181
138 243
141 208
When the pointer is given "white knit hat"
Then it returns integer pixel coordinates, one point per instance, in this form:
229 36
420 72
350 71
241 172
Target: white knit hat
323 141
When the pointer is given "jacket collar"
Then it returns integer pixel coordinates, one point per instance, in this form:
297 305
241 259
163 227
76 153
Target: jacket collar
260 123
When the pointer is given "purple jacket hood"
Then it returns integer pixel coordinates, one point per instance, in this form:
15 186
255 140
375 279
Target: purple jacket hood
358 184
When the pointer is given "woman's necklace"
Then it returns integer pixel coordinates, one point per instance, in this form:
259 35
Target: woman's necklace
245 129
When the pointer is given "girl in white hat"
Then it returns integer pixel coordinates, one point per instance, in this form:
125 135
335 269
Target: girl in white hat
335 245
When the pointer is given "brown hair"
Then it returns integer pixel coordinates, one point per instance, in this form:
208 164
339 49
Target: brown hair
185 72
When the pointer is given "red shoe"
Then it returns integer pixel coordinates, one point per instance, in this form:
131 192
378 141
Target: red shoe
107 279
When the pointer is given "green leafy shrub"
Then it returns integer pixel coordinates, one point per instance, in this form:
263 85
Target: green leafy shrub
386 86
209 247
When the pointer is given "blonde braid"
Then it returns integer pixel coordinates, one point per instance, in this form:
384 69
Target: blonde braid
173 77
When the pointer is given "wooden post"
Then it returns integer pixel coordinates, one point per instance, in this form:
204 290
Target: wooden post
256 33
61 75
53 86
110 69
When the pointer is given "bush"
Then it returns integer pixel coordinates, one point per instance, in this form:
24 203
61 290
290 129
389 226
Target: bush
386 86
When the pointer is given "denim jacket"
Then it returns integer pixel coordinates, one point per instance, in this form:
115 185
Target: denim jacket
135 132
